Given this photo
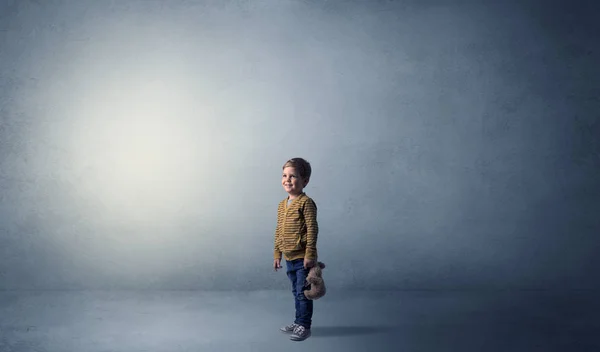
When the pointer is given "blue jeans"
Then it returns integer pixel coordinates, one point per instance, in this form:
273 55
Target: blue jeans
304 306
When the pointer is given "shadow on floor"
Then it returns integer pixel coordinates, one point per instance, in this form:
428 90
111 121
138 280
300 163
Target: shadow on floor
328 331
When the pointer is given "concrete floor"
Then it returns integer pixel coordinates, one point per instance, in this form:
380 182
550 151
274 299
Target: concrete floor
171 321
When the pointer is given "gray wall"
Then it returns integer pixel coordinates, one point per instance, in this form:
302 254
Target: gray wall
141 142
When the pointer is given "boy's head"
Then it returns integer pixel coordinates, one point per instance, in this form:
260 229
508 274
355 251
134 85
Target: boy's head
296 174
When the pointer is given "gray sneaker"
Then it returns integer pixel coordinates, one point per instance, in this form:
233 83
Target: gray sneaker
288 329
300 333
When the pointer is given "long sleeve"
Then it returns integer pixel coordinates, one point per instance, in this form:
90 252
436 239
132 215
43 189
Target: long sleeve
312 229
277 239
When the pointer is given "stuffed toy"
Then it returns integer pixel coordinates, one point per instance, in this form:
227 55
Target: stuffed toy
314 282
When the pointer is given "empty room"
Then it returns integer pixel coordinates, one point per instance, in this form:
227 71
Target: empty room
300 175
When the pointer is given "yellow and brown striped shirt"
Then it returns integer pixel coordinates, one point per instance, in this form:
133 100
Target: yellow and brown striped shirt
297 229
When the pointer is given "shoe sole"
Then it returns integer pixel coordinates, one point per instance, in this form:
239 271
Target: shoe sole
298 339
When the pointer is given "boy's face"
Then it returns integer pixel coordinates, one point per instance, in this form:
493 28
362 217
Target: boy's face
291 181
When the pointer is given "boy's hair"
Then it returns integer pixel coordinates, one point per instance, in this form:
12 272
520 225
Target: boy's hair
302 167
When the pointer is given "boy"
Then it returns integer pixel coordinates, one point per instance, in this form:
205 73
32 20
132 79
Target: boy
296 237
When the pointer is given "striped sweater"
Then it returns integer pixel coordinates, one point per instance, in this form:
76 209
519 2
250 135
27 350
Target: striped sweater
297 229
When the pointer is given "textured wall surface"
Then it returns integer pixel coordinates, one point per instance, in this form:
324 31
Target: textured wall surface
453 144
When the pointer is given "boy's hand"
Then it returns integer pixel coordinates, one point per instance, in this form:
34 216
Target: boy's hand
277 264
308 263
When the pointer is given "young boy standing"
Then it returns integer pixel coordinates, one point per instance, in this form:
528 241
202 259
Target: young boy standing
296 238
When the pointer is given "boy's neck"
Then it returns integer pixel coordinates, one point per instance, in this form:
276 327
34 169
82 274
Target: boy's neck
294 196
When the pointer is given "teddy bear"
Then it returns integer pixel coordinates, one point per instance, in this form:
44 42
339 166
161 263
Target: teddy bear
314 282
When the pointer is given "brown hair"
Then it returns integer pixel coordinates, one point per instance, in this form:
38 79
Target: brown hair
302 167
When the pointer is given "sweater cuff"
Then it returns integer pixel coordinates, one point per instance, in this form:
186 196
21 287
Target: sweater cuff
311 255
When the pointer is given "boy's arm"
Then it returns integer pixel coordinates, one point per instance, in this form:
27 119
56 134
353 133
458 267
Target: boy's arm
277 240
276 250
312 230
